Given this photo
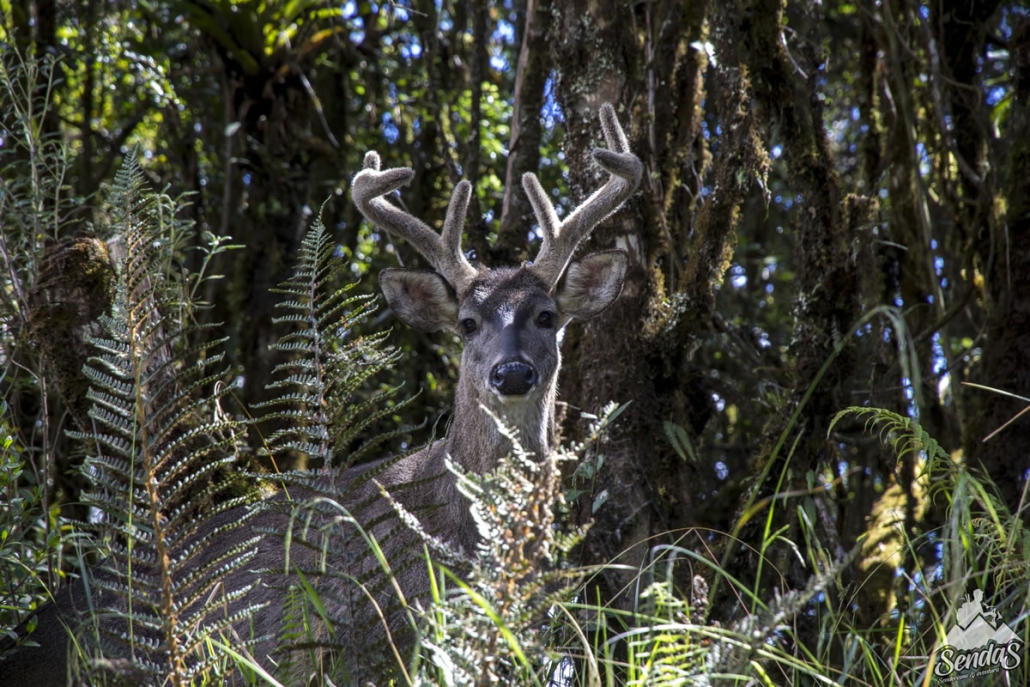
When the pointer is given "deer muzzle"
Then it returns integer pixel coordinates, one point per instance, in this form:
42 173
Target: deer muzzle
514 378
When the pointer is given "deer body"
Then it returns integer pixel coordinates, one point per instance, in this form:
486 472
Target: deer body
508 319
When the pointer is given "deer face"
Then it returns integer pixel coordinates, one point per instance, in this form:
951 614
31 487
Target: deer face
508 319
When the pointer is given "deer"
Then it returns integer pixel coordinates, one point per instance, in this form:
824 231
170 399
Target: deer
508 320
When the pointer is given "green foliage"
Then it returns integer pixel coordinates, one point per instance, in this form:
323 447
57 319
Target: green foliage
679 440
33 166
169 504
30 535
33 193
904 435
496 624
318 400
253 33
159 452
983 546
665 650
258 109
34 198
584 478
330 409
515 615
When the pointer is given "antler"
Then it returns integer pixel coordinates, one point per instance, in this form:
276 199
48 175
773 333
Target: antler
443 251
561 238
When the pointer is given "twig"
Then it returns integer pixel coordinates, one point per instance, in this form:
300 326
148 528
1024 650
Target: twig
315 101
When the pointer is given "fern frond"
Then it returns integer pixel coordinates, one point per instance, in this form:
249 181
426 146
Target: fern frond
903 434
158 465
488 628
328 407
319 388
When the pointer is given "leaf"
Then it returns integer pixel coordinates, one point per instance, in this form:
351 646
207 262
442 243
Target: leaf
585 470
158 471
679 440
610 417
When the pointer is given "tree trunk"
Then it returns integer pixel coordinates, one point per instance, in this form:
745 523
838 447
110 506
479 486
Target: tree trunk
1006 353
639 351
524 148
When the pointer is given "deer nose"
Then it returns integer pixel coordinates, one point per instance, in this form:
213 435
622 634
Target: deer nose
513 379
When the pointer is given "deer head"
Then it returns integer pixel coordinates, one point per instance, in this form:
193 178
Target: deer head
509 317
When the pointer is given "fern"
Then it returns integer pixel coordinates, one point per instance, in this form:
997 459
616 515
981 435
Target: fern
903 434
495 625
982 543
666 650
159 460
319 386
331 409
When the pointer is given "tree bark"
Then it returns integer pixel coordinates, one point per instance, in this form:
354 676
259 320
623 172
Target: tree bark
595 53
826 305
524 147
677 257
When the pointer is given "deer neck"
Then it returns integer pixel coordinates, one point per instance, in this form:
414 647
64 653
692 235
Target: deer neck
474 440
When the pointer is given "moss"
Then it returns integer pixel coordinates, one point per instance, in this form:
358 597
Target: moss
885 542
76 285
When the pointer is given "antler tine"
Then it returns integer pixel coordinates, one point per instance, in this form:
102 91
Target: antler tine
456 268
442 251
550 226
561 239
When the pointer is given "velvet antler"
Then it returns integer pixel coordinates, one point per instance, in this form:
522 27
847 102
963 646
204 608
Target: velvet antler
443 251
561 238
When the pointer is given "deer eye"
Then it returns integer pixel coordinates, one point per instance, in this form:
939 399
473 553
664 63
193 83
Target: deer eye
468 326
545 319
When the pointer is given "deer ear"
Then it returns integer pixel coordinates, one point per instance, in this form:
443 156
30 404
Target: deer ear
420 299
591 284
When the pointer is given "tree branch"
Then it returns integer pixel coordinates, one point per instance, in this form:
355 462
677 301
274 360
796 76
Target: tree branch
524 146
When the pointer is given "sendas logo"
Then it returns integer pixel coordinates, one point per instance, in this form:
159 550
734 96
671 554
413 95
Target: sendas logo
979 644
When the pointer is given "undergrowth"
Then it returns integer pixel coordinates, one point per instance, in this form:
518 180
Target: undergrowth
176 593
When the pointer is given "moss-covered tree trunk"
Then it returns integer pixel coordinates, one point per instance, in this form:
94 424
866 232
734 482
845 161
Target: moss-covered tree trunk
641 351
647 59
826 304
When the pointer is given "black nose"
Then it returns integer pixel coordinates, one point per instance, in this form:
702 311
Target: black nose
513 379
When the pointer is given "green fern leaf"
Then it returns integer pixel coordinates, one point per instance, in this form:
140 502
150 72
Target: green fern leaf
158 466
903 434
